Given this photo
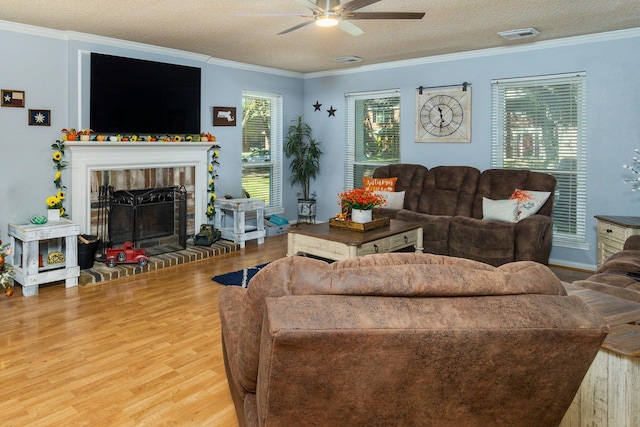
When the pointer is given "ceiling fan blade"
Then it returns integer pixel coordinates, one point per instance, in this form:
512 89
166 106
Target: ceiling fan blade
355 4
288 30
384 15
310 4
350 28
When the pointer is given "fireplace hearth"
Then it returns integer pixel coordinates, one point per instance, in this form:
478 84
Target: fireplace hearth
151 218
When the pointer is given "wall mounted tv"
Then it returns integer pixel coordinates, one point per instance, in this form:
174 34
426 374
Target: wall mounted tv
142 97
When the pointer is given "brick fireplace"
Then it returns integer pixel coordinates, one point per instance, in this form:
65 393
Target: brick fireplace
136 165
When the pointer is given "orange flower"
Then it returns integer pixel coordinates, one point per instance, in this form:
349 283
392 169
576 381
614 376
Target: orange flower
359 198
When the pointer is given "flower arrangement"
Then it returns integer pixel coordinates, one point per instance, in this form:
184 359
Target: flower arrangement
359 198
6 270
635 183
213 175
56 202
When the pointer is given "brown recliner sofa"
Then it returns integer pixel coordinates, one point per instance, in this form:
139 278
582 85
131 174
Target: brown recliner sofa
405 339
620 274
448 202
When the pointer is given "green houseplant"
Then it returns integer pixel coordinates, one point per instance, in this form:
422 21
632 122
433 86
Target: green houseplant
305 164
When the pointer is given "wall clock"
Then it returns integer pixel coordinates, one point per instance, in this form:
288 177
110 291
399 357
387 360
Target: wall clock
443 114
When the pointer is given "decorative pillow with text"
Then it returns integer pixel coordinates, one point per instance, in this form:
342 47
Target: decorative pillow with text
529 202
379 184
500 210
395 199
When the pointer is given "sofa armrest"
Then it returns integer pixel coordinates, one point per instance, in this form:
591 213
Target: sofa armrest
533 239
386 212
632 243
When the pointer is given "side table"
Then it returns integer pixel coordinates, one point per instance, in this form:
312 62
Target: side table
613 231
240 232
30 241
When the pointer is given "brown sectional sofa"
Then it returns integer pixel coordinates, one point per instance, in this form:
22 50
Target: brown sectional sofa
405 339
448 202
612 278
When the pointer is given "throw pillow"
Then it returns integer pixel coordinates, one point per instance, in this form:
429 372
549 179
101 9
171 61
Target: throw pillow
379 184
500 210
395 199
529 202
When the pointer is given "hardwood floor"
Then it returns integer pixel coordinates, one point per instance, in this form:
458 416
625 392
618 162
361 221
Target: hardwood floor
138 351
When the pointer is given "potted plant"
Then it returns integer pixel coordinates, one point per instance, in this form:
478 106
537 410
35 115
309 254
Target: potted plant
305 164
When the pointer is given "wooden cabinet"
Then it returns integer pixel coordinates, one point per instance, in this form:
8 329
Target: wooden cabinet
613 231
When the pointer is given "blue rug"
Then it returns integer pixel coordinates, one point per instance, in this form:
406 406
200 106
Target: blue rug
238 278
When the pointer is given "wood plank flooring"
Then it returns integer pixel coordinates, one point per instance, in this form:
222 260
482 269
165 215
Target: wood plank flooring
138 351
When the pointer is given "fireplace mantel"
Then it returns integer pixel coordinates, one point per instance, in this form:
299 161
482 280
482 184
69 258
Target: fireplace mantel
86 157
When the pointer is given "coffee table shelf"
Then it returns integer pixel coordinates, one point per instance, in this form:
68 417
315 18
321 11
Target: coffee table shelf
335 243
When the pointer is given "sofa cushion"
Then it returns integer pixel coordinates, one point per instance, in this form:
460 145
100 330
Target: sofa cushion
410 179
449 190
499 210
395 199
529 202
380 184
500 184
486 241
394 274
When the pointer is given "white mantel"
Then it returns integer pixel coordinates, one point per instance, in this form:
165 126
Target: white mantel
87 157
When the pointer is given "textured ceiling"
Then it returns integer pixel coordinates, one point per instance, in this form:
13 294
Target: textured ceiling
246 30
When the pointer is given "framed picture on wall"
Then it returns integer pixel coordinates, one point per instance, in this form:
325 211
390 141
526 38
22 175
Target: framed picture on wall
224 116
443 114
39 117
12 98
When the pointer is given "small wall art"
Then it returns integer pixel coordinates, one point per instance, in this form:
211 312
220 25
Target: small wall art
39 117
224 116
12 98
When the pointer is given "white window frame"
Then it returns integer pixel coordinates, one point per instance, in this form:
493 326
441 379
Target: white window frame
350 129
276 141
578 238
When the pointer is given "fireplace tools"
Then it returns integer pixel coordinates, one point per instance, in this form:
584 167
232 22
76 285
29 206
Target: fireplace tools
101 225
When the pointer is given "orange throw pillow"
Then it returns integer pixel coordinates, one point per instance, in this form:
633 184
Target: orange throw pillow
379 184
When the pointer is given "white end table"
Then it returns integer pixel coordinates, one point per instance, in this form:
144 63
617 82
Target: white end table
240 232
29 241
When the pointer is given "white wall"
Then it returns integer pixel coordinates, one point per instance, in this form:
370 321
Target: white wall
613 106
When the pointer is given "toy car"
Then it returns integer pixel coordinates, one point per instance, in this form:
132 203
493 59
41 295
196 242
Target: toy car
127 254
207 235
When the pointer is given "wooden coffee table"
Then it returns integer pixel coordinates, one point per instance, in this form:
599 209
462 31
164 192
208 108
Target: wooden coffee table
335 243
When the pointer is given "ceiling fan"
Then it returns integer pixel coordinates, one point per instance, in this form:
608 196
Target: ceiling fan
329 13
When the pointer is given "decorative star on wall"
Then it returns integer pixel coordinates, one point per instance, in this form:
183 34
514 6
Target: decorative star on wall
332 111
317 106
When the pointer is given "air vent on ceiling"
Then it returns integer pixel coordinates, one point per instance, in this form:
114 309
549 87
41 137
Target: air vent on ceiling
348 59
522 33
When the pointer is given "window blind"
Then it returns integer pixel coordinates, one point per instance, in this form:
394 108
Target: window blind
372 133
539 123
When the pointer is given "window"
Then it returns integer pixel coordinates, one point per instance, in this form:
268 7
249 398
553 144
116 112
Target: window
373 133
262 148
539 123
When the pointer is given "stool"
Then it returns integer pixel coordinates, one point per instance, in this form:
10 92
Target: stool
240 232
28 240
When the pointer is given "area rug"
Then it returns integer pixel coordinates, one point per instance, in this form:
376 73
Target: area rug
238 278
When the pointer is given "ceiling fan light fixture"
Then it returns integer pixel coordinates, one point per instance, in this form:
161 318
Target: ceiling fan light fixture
327 21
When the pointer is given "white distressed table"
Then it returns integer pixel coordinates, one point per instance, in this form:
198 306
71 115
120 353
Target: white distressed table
30 242
240 232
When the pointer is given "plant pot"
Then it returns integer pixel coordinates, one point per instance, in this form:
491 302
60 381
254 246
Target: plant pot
307 210
53 214
361 216
84 137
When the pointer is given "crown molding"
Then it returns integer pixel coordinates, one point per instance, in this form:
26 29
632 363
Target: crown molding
257 68
480 53
32 30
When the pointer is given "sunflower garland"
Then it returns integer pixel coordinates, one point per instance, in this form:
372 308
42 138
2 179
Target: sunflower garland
213 175
56 201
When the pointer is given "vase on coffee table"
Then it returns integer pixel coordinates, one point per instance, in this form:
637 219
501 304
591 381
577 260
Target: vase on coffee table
361 216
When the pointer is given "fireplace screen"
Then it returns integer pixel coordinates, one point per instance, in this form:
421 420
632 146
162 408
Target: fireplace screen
148 217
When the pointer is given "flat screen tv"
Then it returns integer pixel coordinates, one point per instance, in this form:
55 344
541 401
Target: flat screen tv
135 96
